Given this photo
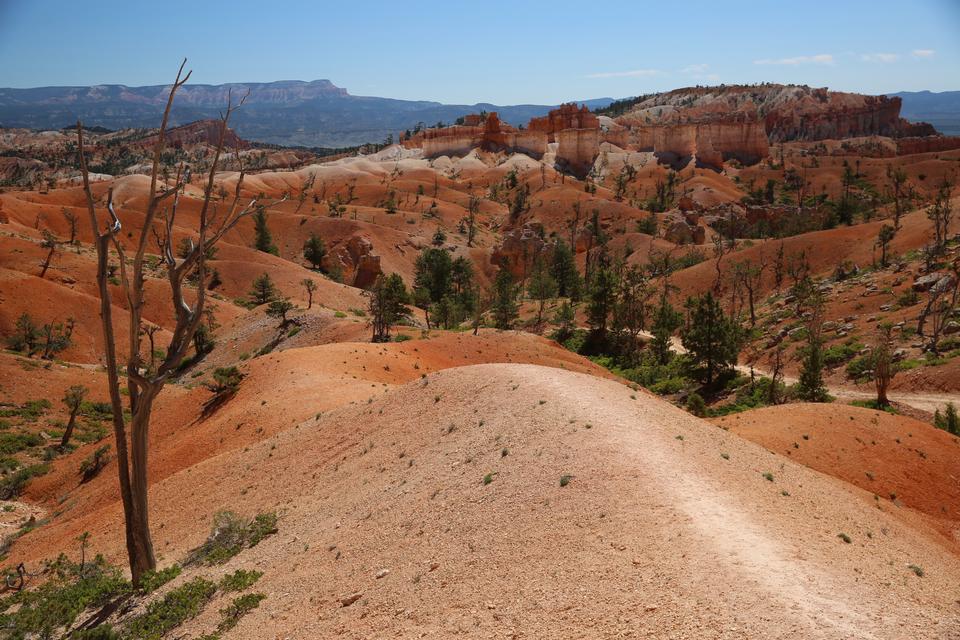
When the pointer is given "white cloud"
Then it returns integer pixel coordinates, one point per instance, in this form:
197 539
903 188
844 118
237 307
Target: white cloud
820 58
636 73
923 53
695 69
879 57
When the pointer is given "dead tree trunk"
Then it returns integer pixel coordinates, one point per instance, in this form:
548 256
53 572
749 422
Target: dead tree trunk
144 383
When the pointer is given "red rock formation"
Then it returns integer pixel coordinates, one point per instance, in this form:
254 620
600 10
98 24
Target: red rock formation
201 132
907 146
568 116
483 132
356 260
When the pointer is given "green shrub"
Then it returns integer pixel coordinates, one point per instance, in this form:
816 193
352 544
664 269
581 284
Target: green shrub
241 606
839 353
59 600
16 442
178 606
859 368
696 405
401 337
239 580
232 534
153 580
14 484
94 463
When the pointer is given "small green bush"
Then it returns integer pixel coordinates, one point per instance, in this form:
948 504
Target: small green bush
239 580
178 606
153 580
241 606
94 463
14 484
15 442
696 405
232 534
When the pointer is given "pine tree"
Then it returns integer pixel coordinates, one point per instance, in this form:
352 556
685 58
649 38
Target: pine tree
949 421
263 241
263 290
810 386
279 309
388 305
666 320
314 251
73 400
712 339
541 286
564 271
504 307
565 319
433 275
600 299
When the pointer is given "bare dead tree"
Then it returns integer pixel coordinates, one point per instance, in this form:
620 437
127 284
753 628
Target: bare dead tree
941 303
144 384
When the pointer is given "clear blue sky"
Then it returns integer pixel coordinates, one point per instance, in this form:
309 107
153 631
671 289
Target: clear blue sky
492 51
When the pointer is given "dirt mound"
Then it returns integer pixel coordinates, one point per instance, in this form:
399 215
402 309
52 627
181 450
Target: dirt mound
906 464
478 499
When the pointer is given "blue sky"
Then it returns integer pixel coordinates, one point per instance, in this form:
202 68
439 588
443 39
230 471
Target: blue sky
492 51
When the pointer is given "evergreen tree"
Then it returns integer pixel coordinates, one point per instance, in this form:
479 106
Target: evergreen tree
263 241
565 319
504 307
712 339
541 286
263 290
810 385
601 296
314 251
564 271
433 275
666 320
949 421
388 305
279 309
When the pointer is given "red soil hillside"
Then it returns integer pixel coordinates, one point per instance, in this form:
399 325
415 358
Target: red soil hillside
906 463
280 389
655 533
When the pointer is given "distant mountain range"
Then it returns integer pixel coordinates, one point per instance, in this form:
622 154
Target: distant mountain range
313 114
942 110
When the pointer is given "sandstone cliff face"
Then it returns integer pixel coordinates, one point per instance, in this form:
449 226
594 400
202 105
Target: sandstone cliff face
906 146
568 116
356 260
487 133
519 248
577 149
788 112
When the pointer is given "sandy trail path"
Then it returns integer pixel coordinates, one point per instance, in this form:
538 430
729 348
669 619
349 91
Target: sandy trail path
656 535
